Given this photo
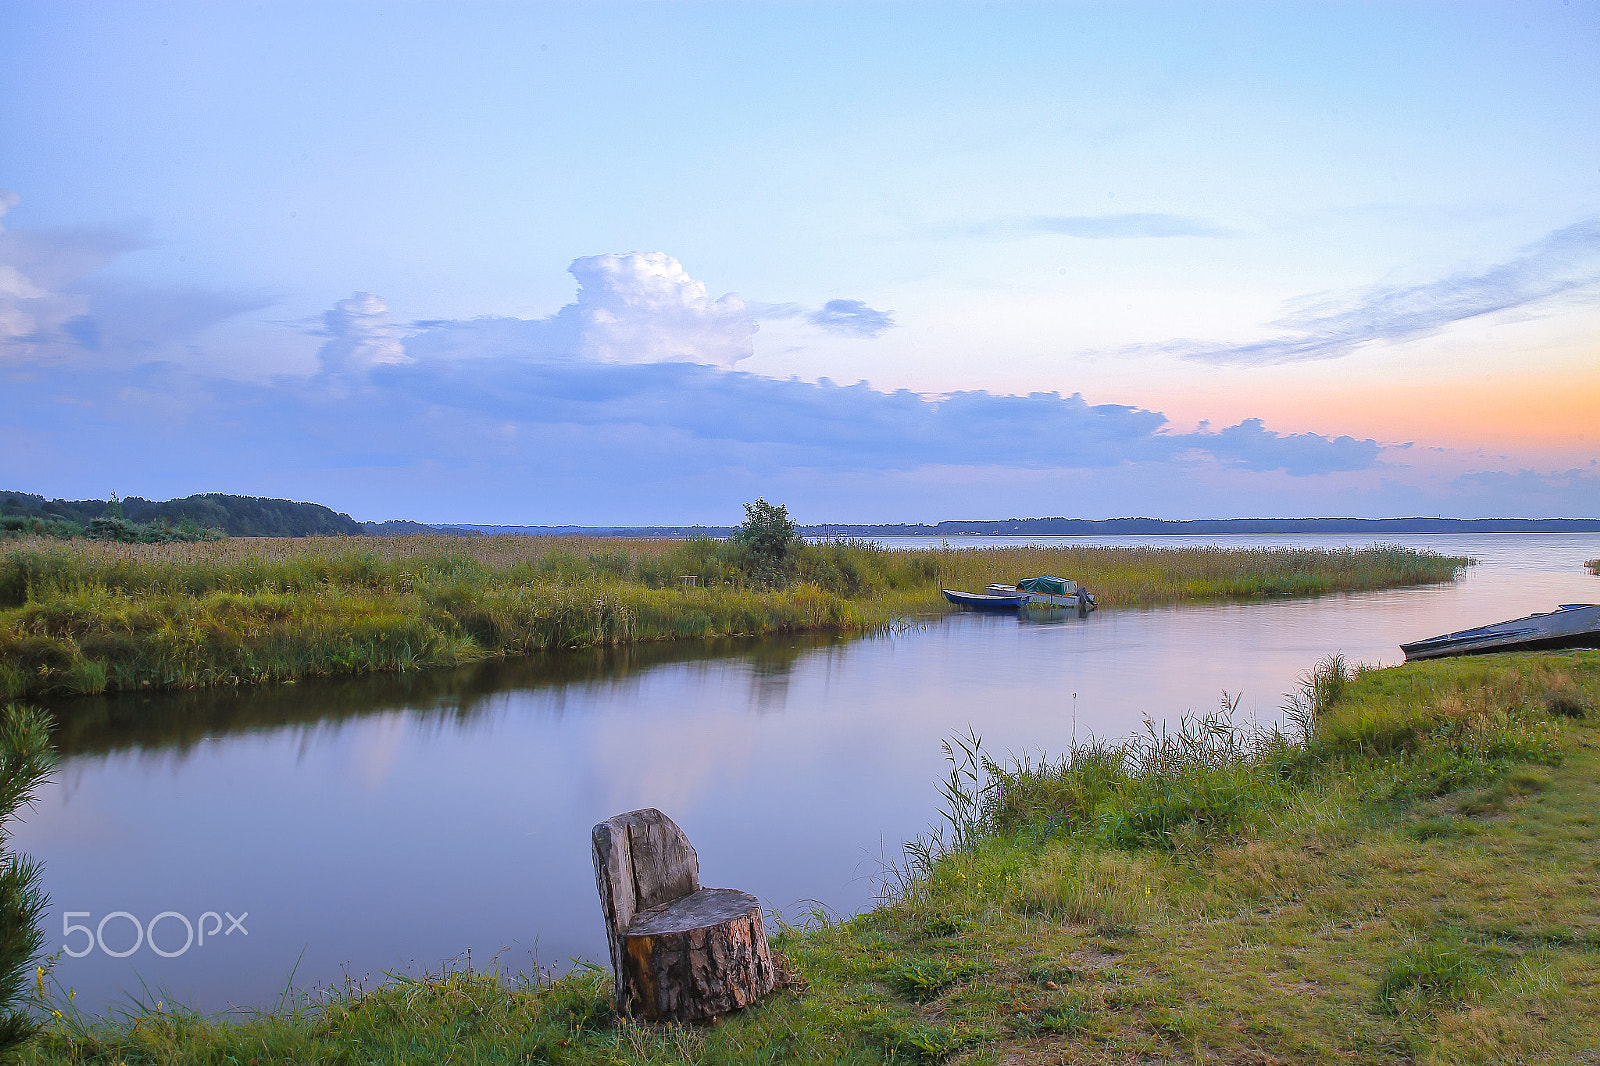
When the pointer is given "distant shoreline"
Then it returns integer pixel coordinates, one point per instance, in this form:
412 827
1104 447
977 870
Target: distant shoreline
252 516
1082 527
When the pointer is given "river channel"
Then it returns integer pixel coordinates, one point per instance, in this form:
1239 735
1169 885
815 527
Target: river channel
390 824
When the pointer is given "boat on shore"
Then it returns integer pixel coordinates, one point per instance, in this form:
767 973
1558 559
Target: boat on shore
1572 625
985 602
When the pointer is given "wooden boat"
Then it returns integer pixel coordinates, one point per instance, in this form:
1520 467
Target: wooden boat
980 602
1572 625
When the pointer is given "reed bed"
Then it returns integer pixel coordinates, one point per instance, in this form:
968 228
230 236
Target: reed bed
1347 731
85 617
1146 576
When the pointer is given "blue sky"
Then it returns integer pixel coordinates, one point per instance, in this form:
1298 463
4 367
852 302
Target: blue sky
629 262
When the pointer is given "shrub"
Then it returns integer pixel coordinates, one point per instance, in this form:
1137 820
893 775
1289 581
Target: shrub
25 762
768 535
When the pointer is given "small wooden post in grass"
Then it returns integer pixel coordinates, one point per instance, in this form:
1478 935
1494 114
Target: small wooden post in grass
681 953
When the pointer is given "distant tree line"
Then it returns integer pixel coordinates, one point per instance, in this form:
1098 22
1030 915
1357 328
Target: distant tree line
204 516
1083 527
1090 527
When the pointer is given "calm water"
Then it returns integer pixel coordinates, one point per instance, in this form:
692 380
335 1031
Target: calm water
390 824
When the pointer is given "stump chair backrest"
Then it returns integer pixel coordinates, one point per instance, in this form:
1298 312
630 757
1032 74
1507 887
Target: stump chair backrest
641 860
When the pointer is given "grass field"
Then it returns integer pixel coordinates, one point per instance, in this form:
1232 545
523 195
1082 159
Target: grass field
85 617
1408 875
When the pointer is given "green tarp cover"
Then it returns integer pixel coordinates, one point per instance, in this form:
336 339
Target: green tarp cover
1049 586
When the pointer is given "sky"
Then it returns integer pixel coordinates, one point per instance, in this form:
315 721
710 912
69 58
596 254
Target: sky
610 263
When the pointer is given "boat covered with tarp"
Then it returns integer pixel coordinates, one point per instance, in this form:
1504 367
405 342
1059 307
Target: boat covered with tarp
1572 625
1048 591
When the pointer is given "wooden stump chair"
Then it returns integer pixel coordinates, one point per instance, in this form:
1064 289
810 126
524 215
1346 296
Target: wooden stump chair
681 953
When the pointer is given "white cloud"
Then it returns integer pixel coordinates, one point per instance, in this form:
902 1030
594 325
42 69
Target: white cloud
360 336
1563 261
633 307
643 307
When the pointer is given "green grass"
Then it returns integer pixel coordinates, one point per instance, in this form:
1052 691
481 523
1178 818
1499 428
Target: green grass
1408 874
88 617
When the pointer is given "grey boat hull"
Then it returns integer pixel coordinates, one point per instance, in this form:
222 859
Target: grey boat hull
1571 626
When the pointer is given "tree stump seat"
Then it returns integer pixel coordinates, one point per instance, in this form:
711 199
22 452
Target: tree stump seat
680 953
708 906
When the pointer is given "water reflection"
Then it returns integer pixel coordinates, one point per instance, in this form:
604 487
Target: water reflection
392 822
175 722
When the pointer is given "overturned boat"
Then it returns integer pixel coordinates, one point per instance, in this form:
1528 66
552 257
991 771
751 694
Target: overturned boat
1572 625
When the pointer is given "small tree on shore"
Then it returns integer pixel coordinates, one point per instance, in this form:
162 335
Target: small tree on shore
26 760
768 535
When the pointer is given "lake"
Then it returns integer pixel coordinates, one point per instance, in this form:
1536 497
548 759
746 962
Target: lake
389 824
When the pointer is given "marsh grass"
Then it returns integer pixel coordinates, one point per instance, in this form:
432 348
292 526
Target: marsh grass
86 617
1107 891
1341 903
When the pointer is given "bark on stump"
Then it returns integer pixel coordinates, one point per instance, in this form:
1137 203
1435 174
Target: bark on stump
697 957
680 952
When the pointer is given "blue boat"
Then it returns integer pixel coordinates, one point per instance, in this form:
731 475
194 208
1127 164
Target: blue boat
979 602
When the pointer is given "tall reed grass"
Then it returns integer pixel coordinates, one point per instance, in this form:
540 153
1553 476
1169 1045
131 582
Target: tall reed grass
85 617
1389 734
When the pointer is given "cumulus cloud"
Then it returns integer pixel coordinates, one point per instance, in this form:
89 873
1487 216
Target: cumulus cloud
1099 227
638 307
1563 261
635 307
846 318
643 307
360 336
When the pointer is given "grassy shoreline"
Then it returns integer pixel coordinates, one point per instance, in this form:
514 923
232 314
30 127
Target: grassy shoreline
89 617
1408 877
